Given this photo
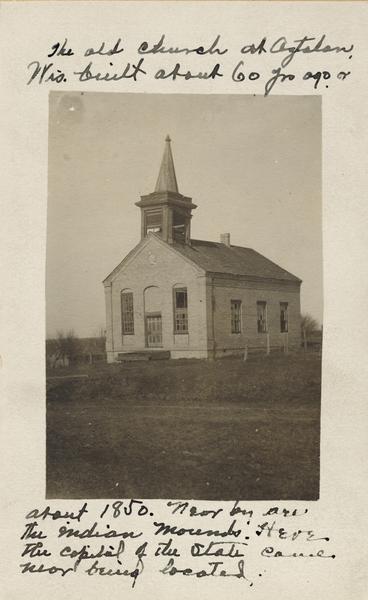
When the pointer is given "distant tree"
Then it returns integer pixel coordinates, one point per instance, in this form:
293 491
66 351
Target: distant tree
98 340
101 332
309 325
67 345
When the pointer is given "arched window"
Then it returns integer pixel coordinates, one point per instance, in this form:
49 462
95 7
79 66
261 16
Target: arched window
152 299
127 312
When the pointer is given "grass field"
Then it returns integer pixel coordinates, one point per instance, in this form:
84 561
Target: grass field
227 429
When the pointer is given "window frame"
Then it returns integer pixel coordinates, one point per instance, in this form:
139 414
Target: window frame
183 318
263 330
236 317
179 225
156 218
127 311
285 306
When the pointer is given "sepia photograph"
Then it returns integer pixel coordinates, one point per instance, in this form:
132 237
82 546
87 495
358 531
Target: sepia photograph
184 302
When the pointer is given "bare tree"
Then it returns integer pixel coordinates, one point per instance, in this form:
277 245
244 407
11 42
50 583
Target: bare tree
67 345
100 333
309 325
99 339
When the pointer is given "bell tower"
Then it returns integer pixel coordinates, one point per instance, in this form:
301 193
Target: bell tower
165 211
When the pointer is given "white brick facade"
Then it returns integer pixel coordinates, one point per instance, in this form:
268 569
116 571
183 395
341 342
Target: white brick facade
155 263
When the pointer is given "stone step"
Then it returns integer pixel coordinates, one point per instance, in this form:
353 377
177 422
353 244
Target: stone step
143 355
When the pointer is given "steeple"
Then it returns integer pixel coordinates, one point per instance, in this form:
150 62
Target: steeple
166 181
165 212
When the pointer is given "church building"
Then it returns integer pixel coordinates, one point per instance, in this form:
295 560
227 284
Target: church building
195 298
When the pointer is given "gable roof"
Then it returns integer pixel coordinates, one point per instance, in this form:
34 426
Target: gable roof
150 238
215 257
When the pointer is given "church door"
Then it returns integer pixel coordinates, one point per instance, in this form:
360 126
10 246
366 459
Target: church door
154 330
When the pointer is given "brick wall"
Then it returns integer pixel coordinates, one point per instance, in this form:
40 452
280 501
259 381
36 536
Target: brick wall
209 301
157 265
220 292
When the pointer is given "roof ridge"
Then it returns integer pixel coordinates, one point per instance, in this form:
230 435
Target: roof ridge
222 244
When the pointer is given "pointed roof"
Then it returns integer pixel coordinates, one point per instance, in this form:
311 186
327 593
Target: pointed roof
166 181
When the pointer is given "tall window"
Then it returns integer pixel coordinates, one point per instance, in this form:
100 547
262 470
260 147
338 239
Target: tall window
235 316
262 317
180 310
127 313
284 317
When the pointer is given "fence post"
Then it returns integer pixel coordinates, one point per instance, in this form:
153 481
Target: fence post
286 343
268 342
245 352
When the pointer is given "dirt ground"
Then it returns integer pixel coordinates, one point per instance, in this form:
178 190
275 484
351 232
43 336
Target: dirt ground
187 429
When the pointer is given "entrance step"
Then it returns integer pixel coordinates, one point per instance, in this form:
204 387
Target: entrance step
144 355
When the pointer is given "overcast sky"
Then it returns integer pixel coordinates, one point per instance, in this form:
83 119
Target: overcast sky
251 164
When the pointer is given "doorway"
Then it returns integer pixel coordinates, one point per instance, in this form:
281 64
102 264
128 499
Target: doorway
154 330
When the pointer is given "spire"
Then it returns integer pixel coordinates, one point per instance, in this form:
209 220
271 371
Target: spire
166 181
